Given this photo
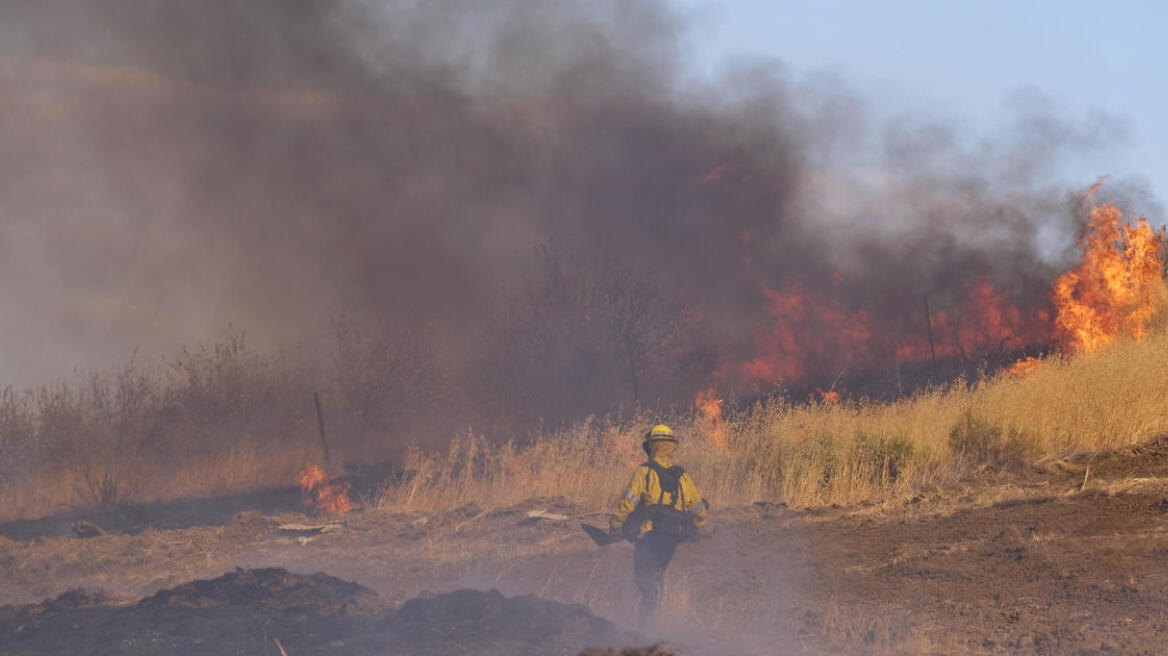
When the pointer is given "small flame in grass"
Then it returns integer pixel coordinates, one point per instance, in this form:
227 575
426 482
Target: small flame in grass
717 174
323 496
1024 366
710 407
1118 286
828 398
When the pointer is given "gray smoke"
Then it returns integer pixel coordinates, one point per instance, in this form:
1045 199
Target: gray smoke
169 168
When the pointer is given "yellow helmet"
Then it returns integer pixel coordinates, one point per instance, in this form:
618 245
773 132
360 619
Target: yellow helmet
660 432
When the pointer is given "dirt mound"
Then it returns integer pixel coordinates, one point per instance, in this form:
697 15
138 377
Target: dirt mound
68 601
655 650
271 589
245 611
465 616
1149 459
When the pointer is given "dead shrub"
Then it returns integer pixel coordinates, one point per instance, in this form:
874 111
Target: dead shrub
886 458
388 382
986 445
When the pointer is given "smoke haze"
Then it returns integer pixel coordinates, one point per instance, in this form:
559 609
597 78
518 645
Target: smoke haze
170 168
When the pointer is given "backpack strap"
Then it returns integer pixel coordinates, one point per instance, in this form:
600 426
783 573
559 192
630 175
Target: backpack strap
669 480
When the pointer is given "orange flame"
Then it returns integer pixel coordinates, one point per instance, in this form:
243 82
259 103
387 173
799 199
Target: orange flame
812 333
1024 366
828 398
717 174
1116 289
816 328
710 407
323 496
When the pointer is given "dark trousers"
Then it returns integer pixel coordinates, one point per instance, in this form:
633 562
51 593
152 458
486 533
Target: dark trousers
651 556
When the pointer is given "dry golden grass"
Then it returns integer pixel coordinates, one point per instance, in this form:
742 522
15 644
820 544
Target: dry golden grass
810 454
218 419
220 423
214 419
240 468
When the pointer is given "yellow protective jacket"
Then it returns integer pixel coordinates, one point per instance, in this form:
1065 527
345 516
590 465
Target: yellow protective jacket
645 489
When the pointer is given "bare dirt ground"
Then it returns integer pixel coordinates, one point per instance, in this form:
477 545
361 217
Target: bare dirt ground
1070 557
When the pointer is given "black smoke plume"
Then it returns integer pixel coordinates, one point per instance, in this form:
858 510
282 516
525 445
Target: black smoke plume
536 203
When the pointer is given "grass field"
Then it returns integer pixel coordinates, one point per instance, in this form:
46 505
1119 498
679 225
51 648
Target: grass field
226 420
809 454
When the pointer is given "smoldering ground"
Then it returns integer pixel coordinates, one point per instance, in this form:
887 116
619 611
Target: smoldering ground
542 197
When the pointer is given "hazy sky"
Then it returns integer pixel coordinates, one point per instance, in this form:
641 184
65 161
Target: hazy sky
963 60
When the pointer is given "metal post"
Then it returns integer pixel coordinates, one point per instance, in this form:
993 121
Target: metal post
320 426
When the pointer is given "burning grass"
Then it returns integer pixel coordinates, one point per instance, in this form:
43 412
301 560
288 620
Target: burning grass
832 451
218 419
803 454
223 419
322 495
806 454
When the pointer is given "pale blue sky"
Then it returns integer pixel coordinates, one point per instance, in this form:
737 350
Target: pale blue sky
959 60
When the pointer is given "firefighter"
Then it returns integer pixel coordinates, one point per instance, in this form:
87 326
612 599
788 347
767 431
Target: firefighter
660 509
